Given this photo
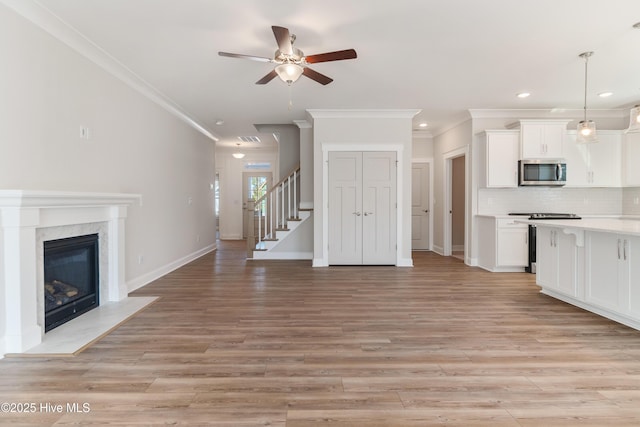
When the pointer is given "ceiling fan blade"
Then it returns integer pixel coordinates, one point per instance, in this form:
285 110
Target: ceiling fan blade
267 78
332 56
251 57
314 75
284 39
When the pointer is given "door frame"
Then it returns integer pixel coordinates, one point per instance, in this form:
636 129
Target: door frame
326 148
428 161
246 174
448 189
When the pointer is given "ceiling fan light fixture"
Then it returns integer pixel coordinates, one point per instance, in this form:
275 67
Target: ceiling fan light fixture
238 155
586 128
289 72
634 120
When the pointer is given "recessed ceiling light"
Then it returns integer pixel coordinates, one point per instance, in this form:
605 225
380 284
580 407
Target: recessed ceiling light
523 95
605 94
219 122
423 125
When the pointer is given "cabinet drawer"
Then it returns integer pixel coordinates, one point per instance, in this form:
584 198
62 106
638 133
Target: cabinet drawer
509 223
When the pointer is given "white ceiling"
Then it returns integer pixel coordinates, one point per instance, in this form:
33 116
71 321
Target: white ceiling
441 56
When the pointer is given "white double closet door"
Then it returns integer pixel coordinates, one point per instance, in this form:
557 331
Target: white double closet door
362 207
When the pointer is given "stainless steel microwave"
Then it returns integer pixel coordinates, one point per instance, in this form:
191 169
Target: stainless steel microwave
543 172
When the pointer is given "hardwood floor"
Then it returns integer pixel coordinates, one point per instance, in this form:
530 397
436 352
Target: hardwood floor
278 343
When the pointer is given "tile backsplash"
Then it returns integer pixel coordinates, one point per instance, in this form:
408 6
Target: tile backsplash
581 201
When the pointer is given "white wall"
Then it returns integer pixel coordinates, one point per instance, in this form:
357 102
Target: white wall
363 130
135 146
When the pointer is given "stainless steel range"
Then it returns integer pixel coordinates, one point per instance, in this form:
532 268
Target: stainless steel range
531 268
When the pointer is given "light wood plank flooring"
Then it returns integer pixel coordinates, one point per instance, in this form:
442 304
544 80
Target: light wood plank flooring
277 343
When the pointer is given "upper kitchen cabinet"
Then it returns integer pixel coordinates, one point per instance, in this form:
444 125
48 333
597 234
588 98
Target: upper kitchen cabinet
501 150
594 165
631 156
541 139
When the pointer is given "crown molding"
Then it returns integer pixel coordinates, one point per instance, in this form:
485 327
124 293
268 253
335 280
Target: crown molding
43 18
362 114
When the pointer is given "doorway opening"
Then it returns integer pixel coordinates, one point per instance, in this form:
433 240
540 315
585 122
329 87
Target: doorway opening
455 215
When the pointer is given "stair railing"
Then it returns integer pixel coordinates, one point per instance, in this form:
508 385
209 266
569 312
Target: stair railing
271 212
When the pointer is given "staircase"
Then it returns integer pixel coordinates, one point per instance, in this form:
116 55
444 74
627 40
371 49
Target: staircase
274 216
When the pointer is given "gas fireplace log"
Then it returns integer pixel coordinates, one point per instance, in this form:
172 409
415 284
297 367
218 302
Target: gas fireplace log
65 288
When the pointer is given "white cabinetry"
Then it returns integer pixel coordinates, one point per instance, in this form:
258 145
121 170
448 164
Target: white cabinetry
594 165
501 158
504 244
512 246
542 139
613 273
631 160
556 261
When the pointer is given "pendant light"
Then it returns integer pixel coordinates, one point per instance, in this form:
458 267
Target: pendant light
238 154
586 128
634 120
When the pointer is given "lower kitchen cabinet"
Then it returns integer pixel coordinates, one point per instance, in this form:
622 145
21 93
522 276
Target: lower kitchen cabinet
557 261
591 268
512 244
505 244
612 279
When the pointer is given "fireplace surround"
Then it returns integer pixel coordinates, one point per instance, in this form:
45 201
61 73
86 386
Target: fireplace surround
28 219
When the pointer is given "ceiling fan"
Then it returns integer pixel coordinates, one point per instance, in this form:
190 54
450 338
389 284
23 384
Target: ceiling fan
292 62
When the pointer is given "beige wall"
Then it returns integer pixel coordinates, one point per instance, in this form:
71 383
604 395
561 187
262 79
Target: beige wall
48 92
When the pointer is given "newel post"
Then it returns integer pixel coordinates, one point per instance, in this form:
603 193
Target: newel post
251 227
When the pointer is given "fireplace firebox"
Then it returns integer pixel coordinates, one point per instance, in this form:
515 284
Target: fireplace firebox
71 278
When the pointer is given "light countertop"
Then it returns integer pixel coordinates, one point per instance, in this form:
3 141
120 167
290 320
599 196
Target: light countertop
607 225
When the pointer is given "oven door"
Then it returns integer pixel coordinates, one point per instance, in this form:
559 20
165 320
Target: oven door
531 268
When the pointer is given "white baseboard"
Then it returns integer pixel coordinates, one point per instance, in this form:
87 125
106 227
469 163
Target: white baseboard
306 205
319 262
457 248
149 277
405 262
438 249
281 255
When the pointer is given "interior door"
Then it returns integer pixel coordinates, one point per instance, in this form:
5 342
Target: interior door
420 206
345 207
379 208
362 208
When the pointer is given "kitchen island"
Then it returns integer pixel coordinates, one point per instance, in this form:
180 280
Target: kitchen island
592 263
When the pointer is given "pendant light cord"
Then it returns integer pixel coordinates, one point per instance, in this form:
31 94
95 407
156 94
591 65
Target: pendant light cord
586 56
586 60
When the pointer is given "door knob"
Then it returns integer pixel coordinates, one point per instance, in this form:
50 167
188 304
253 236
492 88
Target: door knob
426 211
357 213
368 213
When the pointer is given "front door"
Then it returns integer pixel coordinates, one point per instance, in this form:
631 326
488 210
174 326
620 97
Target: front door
362 208
254 186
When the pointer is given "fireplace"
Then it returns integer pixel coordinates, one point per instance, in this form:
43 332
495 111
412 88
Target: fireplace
71 278
28 219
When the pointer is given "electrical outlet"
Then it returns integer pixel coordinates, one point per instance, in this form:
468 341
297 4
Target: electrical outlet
636 200
140 259
189 200
198 238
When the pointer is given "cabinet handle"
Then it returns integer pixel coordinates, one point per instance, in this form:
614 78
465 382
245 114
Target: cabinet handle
356 213
368 213
618 248
551 239
624 249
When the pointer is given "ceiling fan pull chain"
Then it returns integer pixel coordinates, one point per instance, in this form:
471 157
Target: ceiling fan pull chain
290 97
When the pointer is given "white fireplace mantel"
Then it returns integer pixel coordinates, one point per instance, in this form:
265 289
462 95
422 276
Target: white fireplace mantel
25 217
